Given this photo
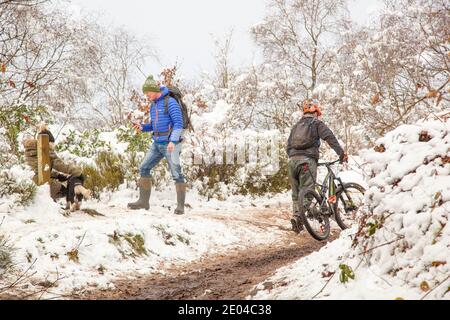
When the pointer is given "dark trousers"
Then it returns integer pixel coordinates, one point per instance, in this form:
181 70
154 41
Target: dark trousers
302 175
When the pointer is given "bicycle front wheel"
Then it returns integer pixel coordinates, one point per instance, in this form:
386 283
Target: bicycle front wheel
317 224
349 204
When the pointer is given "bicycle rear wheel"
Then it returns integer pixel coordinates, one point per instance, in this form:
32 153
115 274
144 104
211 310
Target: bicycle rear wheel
350 201
317 224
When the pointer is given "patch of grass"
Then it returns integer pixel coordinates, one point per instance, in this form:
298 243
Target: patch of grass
169 239
24 191
136 242
29 257
183 239
30 221
114 238
372 228
5 253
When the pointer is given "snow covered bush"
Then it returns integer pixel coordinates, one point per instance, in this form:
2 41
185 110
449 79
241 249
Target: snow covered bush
111 158
6 156
16 184
107 175
394 71
400 249
17 119
227 162
409 202
83 144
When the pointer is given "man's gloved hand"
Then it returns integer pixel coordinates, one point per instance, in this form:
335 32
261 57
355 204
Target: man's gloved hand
343 157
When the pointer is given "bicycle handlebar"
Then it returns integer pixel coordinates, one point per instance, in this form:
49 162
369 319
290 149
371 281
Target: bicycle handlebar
328 163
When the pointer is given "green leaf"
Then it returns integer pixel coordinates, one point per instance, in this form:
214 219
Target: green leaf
372 228
346 273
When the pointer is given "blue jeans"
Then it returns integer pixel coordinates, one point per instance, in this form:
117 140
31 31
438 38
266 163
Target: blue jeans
157 152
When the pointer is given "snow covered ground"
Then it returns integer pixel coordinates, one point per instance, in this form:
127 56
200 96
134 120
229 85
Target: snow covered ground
401 250
81 251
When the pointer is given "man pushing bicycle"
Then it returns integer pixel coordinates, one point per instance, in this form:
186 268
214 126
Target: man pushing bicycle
303 151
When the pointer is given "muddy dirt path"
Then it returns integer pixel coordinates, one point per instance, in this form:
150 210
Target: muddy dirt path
227 276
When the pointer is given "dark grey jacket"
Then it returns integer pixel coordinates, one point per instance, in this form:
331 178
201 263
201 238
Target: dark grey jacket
323 132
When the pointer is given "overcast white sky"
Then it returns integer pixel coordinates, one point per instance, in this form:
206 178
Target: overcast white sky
183 30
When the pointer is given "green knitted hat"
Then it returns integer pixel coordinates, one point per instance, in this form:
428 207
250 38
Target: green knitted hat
150 85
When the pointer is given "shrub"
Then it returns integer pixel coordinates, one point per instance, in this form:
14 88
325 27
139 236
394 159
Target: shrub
259 184
17 119
82 143
5 253
117 156
220 181
16 183
137 142
108 174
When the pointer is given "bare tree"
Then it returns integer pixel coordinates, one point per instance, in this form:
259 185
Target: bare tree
114 74
84 72
296 35
222 56
36 46
392 73
297 38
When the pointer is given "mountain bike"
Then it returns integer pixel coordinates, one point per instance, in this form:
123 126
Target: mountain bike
331 199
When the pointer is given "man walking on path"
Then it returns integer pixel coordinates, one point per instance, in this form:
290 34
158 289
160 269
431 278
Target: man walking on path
303 150
167 127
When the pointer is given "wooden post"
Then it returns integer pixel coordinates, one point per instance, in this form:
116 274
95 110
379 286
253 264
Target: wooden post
43 151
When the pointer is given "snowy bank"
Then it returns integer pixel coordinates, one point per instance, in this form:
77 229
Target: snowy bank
401 248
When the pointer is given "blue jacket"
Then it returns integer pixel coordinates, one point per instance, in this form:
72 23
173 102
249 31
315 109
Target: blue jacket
161 122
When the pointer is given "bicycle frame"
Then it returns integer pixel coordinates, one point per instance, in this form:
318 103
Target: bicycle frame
327 190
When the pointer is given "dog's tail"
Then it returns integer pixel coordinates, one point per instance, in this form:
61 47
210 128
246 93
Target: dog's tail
87 194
